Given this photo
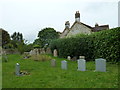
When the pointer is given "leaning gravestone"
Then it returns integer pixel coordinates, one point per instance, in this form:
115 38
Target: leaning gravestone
17 69
55 53
69 58
64 65
53 63
100 64
81 65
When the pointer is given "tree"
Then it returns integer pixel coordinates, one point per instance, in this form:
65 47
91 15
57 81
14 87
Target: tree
45 36
16 39
5 37
17 36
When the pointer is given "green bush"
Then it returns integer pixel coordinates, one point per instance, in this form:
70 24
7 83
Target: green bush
103 44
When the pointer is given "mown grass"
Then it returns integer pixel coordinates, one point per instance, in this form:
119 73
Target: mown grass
42 75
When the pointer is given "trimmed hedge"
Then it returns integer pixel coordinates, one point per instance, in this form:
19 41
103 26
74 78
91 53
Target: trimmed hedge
103 44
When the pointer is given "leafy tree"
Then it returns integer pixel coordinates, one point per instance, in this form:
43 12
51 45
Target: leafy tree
45 36
16 39
28 47
17 36
5 37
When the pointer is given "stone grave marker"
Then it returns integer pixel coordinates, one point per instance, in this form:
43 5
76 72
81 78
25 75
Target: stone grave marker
17 69
64 64
74 58
48 51
55 53
69 58
5 58
81 57
100 64
53 63
81 65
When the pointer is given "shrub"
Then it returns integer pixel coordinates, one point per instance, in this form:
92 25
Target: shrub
104 44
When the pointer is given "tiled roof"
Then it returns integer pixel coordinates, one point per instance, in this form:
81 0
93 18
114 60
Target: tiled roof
99 28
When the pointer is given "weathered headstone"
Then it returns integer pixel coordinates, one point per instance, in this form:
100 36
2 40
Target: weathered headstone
53 63
69 58
64 64
74 58
81 65
17 69
42 51
100 64
55 53
81 57
48 51
37 51
5 58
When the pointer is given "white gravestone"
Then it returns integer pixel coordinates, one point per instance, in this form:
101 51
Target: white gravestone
81 57
64 65
69 58
17 69
100 64
81 65
53 63
55 53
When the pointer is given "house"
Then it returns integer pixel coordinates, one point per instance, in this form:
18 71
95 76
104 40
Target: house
80 28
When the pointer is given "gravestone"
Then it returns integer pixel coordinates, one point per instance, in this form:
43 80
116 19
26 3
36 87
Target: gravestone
5 58
100 64
53 63
69 58
30 53
74 58
37 51
81 65
64 65
42 51
55 53
81 57
48 51
17 69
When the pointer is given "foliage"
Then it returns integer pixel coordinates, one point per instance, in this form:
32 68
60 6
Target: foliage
18 42
16 39
28 47
104 44
5 37
45 36
21 47
36 46
17 36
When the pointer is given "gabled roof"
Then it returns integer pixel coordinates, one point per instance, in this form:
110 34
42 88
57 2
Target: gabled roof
82 24
99 28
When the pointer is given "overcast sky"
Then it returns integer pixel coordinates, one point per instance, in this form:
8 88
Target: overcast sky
30 16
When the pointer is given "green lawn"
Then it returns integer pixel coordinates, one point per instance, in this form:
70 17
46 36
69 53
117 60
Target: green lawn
42 75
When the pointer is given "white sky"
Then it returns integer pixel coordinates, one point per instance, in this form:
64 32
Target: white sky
30 16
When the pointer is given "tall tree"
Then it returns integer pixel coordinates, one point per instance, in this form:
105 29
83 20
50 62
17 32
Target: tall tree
45 36
16 39
5 37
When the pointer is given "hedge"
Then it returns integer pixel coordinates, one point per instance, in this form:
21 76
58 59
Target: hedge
103 44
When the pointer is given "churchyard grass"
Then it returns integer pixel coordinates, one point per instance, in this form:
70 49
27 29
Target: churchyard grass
42 75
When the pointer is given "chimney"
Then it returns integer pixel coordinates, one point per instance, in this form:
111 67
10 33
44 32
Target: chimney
77 16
